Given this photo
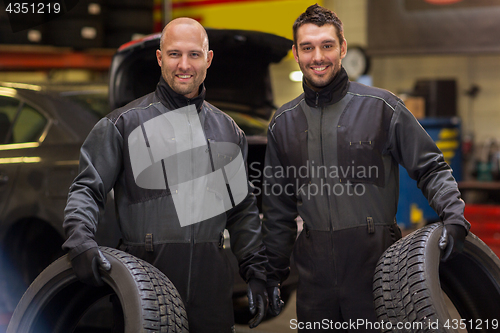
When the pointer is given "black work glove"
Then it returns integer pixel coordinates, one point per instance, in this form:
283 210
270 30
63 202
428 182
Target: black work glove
86 266
275 302
452 240
257 301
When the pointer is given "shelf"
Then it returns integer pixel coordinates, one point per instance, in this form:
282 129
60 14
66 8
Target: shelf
27 57
478 185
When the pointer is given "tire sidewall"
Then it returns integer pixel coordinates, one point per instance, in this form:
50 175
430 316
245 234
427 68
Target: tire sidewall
432 260
59 275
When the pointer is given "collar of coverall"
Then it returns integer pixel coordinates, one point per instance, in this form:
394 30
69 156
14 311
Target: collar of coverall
330 94
173 100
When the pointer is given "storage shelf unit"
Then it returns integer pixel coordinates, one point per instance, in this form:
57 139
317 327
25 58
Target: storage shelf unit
28 57
413 206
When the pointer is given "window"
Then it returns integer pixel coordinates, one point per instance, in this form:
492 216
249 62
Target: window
29 126
96 102
9 108
28 123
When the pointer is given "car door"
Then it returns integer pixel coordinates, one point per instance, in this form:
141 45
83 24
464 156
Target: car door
21 129
9 107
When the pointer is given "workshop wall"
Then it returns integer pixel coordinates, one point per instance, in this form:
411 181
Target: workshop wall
480 115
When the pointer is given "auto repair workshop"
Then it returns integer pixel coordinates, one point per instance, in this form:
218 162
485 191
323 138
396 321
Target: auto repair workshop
344 159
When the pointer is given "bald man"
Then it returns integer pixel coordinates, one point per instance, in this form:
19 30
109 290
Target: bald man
152 212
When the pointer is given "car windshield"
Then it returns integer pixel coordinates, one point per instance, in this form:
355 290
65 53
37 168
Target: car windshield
97 102
248 124
244 116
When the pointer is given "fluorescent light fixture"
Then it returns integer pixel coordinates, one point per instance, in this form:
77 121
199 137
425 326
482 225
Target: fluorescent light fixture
295 76
17 160
11 146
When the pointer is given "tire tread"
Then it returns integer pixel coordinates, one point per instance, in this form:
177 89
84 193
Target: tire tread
162 306
399 285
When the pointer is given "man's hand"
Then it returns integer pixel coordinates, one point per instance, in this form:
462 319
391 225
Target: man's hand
86 266
257 301
452 240
275 302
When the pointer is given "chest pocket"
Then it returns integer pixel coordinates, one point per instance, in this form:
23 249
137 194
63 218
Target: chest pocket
361 137
362 162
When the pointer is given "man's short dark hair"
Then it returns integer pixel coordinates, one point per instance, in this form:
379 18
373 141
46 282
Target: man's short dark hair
319 16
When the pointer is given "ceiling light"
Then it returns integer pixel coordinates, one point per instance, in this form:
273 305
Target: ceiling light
295 76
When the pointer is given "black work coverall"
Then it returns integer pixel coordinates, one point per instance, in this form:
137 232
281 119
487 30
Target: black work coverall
332 157
189 256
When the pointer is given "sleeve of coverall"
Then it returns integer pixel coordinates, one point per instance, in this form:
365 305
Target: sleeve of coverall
415 150
100 163
244 226
280 211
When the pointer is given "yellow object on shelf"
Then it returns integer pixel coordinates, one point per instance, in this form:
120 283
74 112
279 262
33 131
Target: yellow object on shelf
416 214
272 16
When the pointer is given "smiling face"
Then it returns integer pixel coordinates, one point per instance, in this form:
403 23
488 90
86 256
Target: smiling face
184 56
319 53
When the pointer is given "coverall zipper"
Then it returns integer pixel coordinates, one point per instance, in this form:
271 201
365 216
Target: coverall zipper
328 194
191 227
323 163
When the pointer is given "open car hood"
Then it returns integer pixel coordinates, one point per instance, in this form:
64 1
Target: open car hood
238 79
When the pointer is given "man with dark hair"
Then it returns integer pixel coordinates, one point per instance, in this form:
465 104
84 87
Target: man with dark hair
350 139
181 234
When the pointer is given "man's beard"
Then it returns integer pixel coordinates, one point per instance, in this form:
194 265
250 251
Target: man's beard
185 89
319 82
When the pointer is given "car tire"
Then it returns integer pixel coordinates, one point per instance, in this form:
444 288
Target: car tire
410 277
144 299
